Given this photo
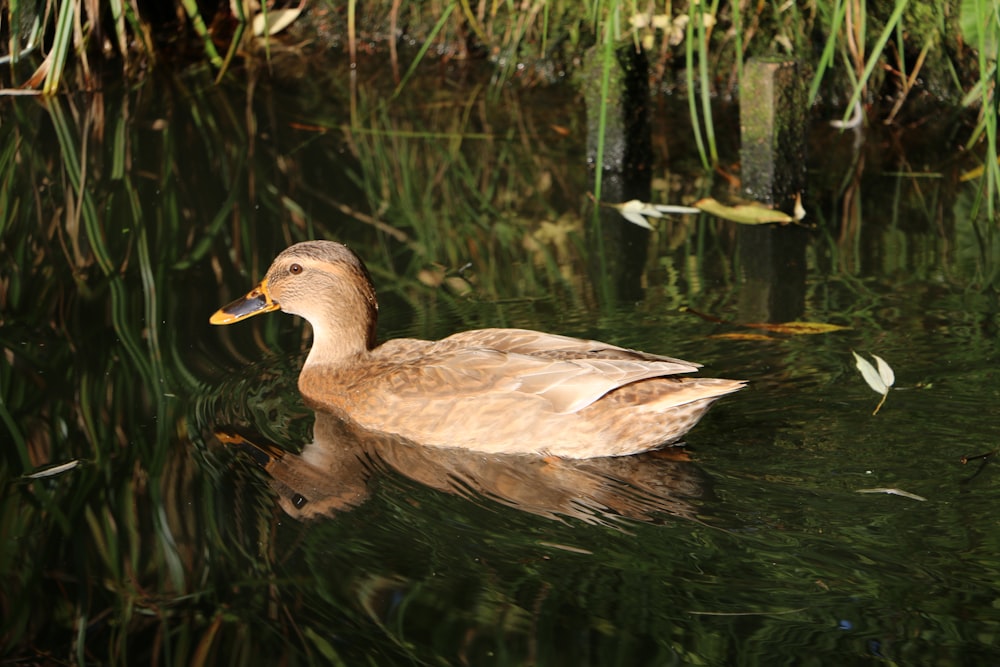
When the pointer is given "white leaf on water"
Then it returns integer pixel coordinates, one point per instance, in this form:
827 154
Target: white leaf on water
871 376
637 219
879 380
637 212
894 492
884 371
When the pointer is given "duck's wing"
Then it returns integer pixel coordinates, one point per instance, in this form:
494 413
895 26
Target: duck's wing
567 385
553 346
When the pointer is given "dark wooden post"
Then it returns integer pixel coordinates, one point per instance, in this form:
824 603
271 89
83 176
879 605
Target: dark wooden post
773 171
618 249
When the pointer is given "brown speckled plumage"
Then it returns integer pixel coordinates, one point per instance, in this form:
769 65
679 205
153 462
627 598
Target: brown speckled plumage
491 390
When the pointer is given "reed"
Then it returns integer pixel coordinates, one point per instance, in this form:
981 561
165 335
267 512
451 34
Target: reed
861 40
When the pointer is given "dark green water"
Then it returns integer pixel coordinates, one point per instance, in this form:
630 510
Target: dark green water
128 217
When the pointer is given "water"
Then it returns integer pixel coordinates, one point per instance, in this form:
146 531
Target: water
757 544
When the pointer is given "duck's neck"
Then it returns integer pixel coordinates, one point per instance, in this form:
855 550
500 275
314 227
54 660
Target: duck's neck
336 346
343 324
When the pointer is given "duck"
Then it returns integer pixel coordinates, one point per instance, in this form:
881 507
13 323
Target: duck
495 391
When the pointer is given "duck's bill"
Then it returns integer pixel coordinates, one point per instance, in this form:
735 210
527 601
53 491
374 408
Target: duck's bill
263 454
257 301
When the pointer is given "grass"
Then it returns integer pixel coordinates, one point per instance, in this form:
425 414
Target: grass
866 46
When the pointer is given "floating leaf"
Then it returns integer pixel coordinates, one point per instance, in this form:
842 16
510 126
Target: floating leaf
885 371
798 328
746 214
737 335
880 380
637 212
894 492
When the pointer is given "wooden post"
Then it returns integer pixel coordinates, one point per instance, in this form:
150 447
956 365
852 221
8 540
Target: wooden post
773 171
772 131
618 248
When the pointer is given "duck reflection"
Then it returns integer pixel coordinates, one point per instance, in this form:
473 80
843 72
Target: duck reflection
331 475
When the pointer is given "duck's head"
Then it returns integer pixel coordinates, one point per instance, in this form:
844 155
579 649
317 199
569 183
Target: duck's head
323 282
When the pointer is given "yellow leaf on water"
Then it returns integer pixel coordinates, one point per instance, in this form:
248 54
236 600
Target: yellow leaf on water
799 328
746 214
735 335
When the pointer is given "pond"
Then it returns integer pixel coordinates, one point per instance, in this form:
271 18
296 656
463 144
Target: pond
181 524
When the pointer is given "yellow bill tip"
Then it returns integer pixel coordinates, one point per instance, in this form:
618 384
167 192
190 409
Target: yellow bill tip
256 301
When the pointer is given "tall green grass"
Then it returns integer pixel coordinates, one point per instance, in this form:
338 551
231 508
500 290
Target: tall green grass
701 45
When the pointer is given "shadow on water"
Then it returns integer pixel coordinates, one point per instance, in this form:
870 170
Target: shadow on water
129 216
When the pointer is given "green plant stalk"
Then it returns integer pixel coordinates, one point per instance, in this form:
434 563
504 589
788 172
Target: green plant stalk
705 85
60 47
234 47
14 432
72 166
738 42
118 18
9 201
608 61
267 33
692 102
194 14
14 18
473 23
139 29
992 169
991 102
95 235
875 56
423 50
901 51
157 371
826 60
545 30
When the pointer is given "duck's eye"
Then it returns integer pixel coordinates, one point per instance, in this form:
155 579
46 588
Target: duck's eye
295 269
